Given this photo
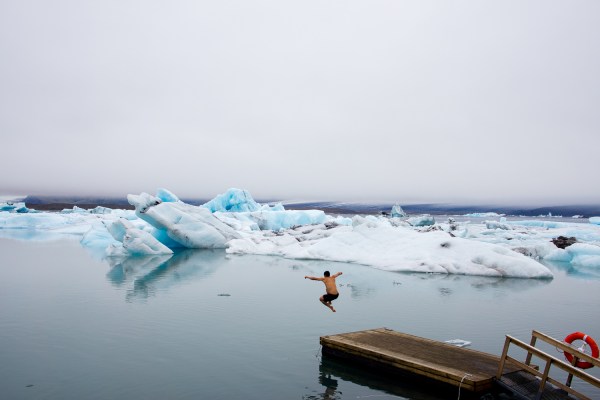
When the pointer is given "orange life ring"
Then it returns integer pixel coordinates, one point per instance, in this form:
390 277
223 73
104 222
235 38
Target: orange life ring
593 346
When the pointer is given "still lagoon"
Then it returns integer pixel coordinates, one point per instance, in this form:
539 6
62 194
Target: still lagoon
208 325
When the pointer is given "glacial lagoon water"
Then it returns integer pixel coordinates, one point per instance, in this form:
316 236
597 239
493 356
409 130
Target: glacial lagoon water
207 325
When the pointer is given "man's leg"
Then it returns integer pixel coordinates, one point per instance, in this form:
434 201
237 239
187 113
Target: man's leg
326 303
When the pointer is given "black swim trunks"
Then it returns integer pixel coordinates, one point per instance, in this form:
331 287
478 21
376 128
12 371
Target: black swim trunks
329 297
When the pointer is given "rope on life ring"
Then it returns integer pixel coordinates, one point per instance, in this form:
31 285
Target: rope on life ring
587 340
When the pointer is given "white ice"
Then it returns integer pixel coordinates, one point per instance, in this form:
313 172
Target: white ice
376 242
233 220
484 215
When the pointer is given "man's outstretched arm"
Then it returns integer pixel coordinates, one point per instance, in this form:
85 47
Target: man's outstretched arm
338 274
313 278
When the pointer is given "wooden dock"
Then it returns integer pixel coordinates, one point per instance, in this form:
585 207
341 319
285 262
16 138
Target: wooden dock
474 371
402 353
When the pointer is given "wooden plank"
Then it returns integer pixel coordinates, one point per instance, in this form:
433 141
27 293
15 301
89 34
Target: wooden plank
471 369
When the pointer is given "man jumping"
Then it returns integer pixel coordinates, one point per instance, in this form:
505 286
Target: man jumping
330 288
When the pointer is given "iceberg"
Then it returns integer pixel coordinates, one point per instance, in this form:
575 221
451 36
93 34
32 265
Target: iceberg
397 211
138 242
584 255
238 200
423 220
187 225
377 243
162 225
497 225
594 220
16 207
484 215
133 241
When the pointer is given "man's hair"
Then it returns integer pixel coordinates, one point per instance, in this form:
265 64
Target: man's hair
326 273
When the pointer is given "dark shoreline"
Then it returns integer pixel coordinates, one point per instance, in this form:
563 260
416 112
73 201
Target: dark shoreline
69 206
585 211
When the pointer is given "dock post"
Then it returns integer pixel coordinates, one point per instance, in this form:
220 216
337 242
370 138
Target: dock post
532 344
543 380
503 357
570 376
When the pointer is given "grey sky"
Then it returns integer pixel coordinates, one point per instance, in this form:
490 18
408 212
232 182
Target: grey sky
342 100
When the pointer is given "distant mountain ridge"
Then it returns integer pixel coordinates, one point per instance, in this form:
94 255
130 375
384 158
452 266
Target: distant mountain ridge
452 209
60 202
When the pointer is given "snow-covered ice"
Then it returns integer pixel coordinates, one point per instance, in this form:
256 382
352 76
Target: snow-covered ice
162 223
395 248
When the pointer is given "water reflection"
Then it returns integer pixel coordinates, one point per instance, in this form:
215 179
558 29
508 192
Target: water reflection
331 370
508 284
330 385
148 275
126 269
357 292
483 283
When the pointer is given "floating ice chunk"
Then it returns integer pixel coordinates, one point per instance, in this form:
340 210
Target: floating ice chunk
397 211
56 223
395 249
138 243
8 206
190 226
540 224
585 255
594 220
497 225
458 342
233 200
166 196
15 207
423 220
579 255
484 215
79 210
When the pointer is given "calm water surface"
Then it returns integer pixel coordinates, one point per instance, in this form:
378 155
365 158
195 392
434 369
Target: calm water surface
206 325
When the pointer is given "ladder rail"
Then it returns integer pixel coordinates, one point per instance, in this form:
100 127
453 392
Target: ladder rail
550 361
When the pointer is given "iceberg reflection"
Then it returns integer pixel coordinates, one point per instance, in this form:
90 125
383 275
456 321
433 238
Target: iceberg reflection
483 283
146 276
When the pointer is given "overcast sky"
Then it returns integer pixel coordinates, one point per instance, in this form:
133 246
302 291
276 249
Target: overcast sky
410 101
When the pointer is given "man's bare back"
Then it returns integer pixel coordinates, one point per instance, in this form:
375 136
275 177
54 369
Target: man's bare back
330 288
